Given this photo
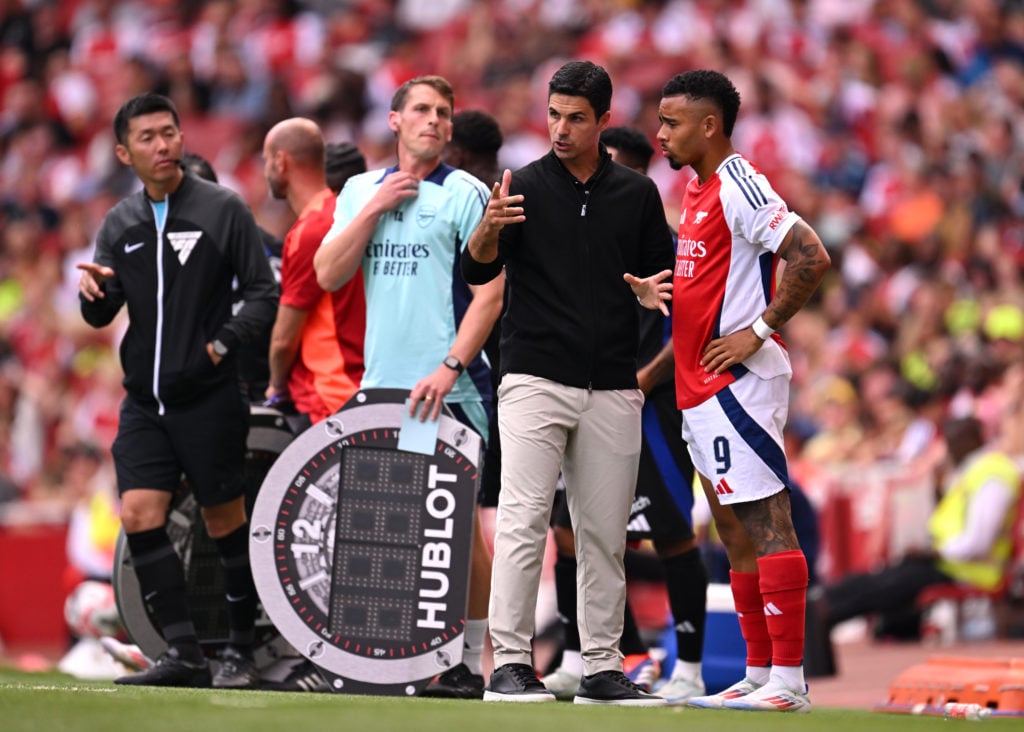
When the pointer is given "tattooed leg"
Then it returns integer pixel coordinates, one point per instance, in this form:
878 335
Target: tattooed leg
768 523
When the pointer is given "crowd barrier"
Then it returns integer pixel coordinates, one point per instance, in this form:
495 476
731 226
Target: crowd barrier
867 514
33 585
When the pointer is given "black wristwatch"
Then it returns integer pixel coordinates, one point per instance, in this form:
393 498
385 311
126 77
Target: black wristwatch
454 364
220 349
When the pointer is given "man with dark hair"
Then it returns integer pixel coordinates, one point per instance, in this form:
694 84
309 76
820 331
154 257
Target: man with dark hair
661 511
170 252
476 140
732 373
342 160
198 166
405 228
316 348
628 146
565 229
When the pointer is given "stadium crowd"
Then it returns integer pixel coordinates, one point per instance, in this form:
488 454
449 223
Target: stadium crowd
895 129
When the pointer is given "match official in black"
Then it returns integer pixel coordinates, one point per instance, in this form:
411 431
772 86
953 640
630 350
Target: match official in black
170 252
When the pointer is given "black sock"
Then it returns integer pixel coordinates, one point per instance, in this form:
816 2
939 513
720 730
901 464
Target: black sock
686 580
162 583
239 588
631 642
565 598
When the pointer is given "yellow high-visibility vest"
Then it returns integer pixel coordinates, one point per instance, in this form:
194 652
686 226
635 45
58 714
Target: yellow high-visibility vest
950 519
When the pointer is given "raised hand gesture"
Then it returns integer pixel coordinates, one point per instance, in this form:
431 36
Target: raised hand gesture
93 277
653 292
503 209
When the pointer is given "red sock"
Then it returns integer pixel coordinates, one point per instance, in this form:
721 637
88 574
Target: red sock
746 594
784 591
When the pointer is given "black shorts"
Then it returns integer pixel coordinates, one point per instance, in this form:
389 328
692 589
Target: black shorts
663 504
487 467
204 441
490 476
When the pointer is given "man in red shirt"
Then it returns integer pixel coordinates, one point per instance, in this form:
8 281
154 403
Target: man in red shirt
733 373
316 348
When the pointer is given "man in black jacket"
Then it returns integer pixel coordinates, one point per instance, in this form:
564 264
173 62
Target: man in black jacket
170 252
568 397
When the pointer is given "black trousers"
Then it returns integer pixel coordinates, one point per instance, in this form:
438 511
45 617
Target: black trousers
890 591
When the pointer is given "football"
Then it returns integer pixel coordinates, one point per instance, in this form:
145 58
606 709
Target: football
91 610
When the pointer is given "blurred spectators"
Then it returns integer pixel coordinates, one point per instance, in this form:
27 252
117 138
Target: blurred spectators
911 166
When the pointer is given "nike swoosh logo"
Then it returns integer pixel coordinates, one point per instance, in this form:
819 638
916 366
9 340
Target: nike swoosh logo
129 248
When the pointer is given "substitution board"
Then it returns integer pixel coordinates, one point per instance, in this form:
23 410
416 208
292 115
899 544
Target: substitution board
360 550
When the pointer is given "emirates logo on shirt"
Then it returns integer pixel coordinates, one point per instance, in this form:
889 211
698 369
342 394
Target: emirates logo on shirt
183 242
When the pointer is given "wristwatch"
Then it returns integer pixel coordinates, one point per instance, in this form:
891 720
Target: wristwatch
454 364
220 349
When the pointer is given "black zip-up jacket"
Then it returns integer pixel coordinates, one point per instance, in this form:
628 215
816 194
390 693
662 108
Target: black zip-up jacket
177 285
570 317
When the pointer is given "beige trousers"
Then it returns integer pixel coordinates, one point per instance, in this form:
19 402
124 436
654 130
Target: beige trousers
593 437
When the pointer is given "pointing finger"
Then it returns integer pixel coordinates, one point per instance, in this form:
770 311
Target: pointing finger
506 182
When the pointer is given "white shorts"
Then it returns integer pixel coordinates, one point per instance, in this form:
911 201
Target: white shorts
735 438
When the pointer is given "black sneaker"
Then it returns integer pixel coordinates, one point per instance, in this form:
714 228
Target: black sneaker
458 682
237 671
303 677
170 670
614 687
516 682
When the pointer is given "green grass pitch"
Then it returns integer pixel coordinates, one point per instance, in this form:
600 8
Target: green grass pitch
50 702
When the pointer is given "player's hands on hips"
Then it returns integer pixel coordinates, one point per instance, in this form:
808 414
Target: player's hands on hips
503 209
431 390
728 351
93 277
653 292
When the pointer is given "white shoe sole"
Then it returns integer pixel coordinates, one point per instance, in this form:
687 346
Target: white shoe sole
655 702
538 698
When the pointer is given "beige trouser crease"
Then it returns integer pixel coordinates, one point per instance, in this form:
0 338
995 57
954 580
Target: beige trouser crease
593 437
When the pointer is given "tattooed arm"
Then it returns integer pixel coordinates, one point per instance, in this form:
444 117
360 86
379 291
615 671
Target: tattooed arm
806 263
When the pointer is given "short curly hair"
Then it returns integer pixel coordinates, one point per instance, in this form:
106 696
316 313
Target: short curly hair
711 85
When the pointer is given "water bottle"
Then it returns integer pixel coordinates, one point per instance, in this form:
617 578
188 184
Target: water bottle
957 710
940 623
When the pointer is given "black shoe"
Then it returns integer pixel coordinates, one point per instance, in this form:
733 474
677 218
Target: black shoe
237 671
303 677
614 687
170 670
458 682
516 682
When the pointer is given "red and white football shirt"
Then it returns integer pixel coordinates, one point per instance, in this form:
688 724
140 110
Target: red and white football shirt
730 228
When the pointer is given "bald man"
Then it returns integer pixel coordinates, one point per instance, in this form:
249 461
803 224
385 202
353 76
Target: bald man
316 347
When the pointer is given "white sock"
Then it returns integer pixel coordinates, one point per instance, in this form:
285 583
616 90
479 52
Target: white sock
473 645
686 670
572 661
759 674
792 677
